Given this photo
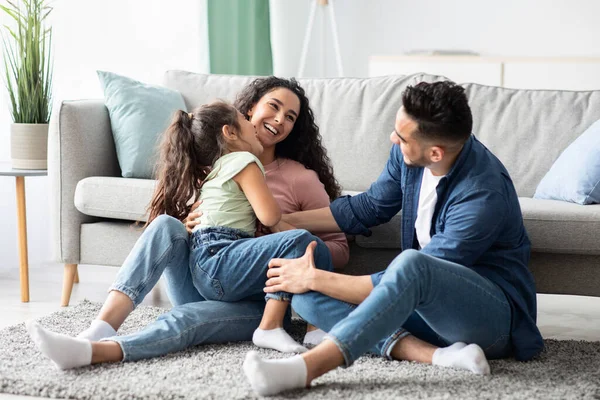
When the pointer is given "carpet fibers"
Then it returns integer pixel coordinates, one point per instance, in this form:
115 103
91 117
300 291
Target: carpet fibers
566 370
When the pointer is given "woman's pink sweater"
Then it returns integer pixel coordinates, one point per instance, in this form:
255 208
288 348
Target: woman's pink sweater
299 189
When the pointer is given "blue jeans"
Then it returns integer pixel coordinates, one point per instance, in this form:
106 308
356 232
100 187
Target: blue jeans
164 248
227 265
437 301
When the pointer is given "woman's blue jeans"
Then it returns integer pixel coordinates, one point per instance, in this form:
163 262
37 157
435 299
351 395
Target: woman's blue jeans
437 301
166 248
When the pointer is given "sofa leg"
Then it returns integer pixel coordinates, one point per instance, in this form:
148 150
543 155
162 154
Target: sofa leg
76 279
68 278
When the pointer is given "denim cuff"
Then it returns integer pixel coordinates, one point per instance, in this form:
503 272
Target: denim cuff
281 296
127 291
116 340
348 360
388 345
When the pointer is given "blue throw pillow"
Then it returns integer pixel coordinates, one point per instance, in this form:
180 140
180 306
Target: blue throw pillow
139 113
575 175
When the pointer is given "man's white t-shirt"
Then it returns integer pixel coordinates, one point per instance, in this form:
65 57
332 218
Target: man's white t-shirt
427 201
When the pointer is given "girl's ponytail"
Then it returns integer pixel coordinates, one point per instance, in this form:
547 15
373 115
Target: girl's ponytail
180 172
189 148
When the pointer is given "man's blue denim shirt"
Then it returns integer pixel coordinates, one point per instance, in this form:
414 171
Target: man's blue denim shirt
477 223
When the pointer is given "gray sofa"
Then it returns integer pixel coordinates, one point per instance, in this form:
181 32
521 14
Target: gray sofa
93 208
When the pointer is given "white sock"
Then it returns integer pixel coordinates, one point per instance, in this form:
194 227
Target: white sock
98 330
313 338
460 355
65 351
268 377
277 339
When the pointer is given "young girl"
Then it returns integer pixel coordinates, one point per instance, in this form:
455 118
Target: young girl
233 195
300 176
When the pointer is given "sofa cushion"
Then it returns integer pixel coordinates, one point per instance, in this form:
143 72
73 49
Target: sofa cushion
553 226
139 113
575 175
528 129
365 118
560 227
116 198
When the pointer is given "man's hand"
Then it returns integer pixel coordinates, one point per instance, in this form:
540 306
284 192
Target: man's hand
292 275
190 221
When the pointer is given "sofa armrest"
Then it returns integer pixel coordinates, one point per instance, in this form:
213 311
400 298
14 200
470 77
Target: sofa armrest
80 144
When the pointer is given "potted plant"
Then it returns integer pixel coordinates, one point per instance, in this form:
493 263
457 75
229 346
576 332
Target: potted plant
28 69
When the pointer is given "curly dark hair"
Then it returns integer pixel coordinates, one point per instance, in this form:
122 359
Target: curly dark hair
304 143
441 111
189 148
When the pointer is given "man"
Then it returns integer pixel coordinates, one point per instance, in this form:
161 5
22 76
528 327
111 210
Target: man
459 292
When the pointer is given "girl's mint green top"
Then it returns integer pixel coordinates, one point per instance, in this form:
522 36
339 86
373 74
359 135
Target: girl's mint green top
223 202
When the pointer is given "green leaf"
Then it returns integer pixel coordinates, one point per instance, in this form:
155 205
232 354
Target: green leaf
28 60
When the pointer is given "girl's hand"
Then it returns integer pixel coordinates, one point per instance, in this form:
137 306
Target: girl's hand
190 221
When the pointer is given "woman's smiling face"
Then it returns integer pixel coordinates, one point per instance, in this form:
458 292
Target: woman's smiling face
274 116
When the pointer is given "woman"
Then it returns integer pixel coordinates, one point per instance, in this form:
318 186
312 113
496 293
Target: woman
295 163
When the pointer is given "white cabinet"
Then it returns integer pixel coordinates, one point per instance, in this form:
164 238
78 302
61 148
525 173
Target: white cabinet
569 73
563 74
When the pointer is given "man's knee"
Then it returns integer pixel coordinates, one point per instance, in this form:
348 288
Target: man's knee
408 262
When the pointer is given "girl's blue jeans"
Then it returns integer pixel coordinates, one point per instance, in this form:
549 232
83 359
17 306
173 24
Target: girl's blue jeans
214 279
228 265
437 301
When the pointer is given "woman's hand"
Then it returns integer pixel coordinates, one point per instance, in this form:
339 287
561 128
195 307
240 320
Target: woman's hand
261 230
282 226
190 221
292 275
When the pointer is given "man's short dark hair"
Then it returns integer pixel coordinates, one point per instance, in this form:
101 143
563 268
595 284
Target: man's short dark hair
441 111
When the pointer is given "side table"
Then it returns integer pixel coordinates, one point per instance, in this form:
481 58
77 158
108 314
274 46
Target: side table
20 174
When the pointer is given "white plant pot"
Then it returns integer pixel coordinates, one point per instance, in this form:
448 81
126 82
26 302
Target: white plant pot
29 146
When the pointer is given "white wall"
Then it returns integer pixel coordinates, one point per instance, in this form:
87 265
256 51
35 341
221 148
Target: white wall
129 37
390 27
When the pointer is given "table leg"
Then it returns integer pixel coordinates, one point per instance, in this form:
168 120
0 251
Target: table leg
22 225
